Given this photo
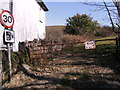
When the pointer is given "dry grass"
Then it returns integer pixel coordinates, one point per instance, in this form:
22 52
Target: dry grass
56 34
54 28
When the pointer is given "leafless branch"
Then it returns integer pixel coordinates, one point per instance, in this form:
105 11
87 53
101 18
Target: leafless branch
116 3
109 14
100 5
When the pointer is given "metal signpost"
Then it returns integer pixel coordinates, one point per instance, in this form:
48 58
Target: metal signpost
9 38
7 21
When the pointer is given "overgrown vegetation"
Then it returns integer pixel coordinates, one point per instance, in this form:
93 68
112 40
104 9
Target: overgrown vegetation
17 58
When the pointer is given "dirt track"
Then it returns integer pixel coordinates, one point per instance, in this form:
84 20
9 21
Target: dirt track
70 73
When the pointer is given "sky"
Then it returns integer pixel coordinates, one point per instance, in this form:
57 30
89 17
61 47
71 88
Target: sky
75 0
60 11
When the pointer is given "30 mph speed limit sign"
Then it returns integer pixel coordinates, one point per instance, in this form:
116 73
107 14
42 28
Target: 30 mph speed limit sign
6 19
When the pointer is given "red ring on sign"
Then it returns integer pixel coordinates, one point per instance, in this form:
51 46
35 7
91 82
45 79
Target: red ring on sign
3 22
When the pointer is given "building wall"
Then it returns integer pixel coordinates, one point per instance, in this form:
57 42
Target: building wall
29 21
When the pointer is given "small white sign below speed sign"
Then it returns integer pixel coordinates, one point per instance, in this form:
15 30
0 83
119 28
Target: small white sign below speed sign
6 19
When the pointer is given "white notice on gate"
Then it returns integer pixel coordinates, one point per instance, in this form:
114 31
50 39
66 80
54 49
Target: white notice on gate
90 45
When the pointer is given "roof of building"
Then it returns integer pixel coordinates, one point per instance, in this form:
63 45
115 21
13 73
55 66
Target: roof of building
41 3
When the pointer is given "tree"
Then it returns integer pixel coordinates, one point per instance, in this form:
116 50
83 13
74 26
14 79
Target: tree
80 24
113 10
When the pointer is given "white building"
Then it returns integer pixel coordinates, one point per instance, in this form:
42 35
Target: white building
29 20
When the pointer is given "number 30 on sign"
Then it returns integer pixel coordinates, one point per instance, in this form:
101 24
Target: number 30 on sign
90 45
6 19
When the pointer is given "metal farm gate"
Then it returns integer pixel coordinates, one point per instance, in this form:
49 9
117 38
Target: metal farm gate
41 53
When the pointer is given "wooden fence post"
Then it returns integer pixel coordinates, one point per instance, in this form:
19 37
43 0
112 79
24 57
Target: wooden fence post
118 47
